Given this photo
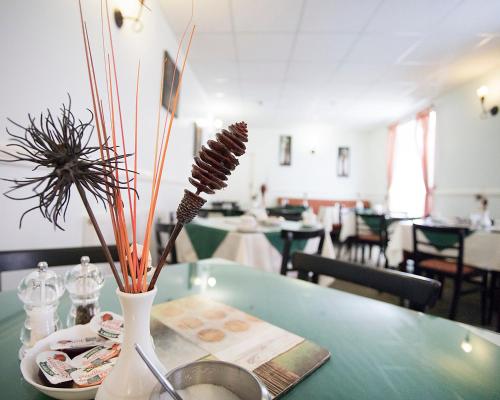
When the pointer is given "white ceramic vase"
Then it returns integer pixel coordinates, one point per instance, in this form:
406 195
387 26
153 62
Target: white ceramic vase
130 378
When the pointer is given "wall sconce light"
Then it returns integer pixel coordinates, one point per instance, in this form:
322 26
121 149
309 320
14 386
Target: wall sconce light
130 10
482 92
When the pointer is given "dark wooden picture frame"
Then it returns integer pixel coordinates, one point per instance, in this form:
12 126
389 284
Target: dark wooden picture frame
285 150
343 162
170 72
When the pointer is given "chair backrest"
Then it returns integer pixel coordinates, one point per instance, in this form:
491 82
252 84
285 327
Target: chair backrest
226 204
439 242
289 213
222 212
421 292
368 223
289 236
25 259
165 228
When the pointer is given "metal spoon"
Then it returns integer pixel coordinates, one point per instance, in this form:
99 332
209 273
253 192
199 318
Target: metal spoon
156 372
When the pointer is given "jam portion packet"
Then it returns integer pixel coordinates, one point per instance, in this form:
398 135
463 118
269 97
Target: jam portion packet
108 325
55 366
92 375
96 356
83 343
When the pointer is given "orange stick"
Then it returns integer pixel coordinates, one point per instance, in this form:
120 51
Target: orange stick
115 76
117 197
100 134
162 163
94 94
155 170
134 216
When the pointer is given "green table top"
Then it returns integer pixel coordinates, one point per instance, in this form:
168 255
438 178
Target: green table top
379 351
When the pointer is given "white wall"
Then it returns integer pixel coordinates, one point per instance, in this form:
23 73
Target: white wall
467 151
314 174
374 177
467 148
43 59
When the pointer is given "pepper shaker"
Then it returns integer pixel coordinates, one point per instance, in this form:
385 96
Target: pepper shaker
83 283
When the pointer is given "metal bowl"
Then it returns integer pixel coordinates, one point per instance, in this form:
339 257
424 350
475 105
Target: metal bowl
241 382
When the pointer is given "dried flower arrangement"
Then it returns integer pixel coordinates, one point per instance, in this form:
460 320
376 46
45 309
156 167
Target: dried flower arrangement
64 148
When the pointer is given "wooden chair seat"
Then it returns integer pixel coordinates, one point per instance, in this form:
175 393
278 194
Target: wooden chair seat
336 227
369 237
444 266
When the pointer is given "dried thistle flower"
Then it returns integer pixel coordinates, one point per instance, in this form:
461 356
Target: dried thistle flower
62 146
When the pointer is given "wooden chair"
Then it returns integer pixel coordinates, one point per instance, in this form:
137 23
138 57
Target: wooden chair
26 259
335 232
447 261
371 230
166 229
289 236
419 291
224 212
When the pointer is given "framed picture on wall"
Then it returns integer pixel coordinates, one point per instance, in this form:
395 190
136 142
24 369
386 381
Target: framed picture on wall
198 139
170 74
343 162
285 156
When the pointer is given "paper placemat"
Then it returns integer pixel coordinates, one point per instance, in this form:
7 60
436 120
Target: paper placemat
214 330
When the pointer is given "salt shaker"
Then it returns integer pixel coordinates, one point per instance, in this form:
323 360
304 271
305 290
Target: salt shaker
83 283
40 292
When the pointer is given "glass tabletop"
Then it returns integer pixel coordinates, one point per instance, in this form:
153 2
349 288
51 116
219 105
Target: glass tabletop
379 351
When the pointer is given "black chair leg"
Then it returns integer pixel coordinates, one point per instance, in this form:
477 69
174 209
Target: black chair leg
441 279
363 253
379 256
491 295
454 302
484 297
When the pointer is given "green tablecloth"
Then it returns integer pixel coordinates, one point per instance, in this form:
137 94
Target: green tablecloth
379 351
443 240
278 243
205 239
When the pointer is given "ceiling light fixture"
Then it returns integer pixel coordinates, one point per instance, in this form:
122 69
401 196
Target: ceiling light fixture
130 10
482 92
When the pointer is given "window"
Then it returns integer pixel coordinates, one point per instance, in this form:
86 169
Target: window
413 165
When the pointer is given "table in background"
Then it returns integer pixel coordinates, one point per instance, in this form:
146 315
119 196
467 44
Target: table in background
220 238
349 222
481 247
379 351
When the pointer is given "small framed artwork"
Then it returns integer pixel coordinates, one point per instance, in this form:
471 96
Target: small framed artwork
170 80
343 162
285 156
198 139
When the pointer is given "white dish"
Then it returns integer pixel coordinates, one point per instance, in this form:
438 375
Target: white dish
29 368
272 222
247 229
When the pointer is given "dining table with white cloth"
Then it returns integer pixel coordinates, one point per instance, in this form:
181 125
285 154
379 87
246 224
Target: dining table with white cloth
481 247
259 248
349 221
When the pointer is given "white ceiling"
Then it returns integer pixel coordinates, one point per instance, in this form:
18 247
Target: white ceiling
353 63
